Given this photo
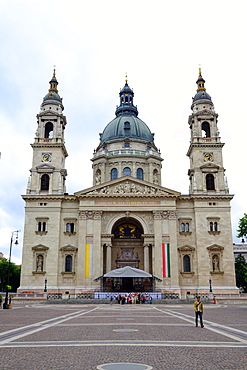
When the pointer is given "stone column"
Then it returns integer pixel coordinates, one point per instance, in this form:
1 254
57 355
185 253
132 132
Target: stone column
108 258
173 249
98 252
157 250
146 258
81 237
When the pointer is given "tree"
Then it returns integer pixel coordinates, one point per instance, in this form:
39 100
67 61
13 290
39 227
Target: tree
242 227
14 275
241 272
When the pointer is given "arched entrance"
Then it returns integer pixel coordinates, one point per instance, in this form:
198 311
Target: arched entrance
127 249
127 244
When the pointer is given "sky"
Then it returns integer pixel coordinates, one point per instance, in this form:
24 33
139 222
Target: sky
93 44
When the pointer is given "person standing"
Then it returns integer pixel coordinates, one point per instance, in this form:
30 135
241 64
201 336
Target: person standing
198 308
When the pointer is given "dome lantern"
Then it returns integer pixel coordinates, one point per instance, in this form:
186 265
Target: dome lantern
126 101
201 93
53 91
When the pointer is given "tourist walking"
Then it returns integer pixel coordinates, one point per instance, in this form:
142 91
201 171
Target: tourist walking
198 308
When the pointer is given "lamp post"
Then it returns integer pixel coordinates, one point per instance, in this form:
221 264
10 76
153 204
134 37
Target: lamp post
210 286
45 288
5 305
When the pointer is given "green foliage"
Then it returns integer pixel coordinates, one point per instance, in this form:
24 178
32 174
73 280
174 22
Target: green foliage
241 272
14 275
242 227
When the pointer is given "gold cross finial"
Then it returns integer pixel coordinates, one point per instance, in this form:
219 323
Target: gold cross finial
126 77
200 70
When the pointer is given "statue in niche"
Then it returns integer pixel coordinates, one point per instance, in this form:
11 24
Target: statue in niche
98 178
216 263
40 263
155 178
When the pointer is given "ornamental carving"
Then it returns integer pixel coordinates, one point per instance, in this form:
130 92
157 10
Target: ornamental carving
164 214
128 188
107 216
96 215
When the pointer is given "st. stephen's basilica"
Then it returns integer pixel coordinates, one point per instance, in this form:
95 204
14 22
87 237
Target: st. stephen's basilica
128 218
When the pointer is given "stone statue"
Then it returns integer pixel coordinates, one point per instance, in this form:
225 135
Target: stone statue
40 260
215 263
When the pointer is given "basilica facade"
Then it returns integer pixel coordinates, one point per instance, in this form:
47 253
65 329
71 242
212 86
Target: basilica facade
128 218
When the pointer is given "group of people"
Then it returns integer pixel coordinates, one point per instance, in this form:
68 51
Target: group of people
132 298
143 298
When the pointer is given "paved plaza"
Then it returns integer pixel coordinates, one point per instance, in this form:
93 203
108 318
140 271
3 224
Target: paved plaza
88 337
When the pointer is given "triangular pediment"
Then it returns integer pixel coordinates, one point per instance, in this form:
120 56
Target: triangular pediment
127 186
209 165
45 167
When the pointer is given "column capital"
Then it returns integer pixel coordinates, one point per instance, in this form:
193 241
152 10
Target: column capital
96 215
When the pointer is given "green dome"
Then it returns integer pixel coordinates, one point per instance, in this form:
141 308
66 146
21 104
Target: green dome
127 126
126 123
52 96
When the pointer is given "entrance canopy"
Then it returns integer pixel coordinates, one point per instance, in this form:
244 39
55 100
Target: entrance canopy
127 271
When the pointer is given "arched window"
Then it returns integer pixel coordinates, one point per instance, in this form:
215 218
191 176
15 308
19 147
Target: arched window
48 130
41 226
45 182
70 227
187 227
186 263
206 129
210 182
215 226
139 173
182 227
211 226
68 263
126 171
114 174
126 125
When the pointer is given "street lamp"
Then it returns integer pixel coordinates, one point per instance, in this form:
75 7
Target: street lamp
45 289
210 286
5 305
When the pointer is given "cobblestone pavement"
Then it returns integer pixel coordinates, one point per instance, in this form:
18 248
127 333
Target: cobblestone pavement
86 336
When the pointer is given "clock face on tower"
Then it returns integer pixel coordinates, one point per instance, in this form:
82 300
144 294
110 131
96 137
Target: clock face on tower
208 157
46 157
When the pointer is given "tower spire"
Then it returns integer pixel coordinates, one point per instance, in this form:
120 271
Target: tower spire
53 83
200 82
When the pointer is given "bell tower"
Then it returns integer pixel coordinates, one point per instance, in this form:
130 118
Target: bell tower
206 171
48 171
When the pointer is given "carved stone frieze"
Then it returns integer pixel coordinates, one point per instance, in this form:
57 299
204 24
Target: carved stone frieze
130 188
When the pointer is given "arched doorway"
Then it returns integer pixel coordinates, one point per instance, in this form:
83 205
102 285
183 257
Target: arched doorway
127 249
127 244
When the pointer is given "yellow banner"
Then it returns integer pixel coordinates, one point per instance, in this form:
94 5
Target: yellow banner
88 259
